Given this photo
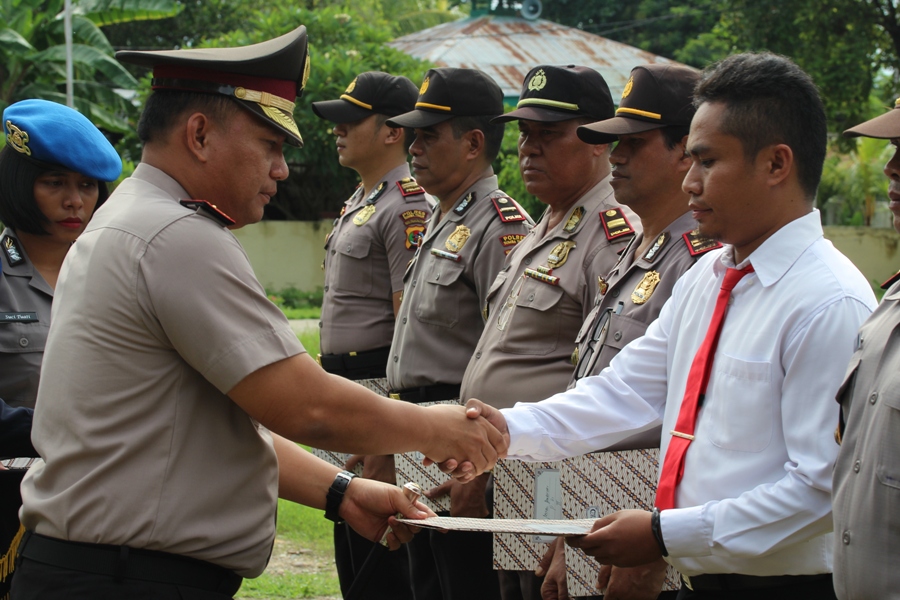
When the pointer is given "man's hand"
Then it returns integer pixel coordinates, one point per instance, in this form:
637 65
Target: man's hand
622 539
464 471
465 500
375 466
464 439
553 568
635 583
369 507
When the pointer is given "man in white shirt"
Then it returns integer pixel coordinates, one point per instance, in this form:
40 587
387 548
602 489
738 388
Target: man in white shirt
749 509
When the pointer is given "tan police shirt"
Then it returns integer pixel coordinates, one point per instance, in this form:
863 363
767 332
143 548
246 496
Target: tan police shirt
540 299
867 471
446 285
25 300
365 257
157 315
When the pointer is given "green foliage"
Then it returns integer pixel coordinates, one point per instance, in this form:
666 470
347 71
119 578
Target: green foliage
852 182
292 298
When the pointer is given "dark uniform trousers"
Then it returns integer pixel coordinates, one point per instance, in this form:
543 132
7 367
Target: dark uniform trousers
389 582
735 587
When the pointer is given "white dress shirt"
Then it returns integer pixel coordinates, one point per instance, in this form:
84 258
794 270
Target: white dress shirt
756 492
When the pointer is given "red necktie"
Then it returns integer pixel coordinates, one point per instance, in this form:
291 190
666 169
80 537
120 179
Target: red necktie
698 378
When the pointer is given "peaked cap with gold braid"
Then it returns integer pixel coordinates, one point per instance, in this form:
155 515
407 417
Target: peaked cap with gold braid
264 78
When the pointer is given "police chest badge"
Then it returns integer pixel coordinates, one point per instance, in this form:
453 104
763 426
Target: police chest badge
560 254
458 238
363 216
645 288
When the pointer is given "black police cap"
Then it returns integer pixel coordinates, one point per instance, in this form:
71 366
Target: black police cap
552 93
369 93
449 92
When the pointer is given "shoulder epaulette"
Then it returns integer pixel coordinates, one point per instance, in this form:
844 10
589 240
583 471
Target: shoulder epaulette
615 223
463 206
508 210
210 210
13 254
894 279
698 244
409 187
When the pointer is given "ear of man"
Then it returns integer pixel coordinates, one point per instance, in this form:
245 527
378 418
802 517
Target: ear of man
779 164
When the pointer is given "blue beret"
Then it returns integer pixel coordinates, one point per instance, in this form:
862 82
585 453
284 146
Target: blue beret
56 134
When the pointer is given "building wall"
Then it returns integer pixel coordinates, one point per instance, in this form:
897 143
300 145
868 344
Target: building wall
290 253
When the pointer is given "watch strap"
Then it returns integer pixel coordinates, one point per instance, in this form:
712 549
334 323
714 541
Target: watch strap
335 495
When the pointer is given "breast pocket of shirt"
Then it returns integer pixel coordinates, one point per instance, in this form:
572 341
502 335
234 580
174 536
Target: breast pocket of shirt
743 417
440 292
887 442
25 337
533 327
354 274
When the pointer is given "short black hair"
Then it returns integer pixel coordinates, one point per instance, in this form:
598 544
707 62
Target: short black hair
769 100
18 208
164 107
493 132
674 134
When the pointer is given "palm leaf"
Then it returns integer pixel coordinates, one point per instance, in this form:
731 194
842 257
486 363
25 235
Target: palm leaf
91 58
110 12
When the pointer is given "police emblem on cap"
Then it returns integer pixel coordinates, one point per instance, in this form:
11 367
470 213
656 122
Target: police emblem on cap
538 81
628 87
352 86
424 87
18 139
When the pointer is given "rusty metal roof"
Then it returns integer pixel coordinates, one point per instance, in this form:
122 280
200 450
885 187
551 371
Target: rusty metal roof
506 48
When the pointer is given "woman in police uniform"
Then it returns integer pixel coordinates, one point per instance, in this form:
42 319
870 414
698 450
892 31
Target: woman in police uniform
53 174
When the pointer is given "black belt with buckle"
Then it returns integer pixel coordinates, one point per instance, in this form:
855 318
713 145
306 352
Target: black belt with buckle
123 562
734 582
428 393
369 364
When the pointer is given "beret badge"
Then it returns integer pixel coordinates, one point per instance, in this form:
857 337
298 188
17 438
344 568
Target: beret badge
17 138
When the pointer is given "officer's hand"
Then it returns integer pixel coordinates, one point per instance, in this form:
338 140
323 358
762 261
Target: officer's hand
622 539
369 507
465 471
375 466
465 500
553 569
634 583
465 439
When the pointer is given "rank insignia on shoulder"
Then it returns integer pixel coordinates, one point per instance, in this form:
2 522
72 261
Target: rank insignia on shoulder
615 224
458 239
464 205
508 210
698 244
652 252
894 279
645 288
574 219
510 240
409 187
414 221
13 254
210 210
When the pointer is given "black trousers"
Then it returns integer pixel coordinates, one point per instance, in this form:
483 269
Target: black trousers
389 581
820 589
37 581
457 565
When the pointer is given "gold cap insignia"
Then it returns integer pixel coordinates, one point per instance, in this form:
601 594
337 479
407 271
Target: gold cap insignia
458 238
424 87
628 87
305 72
538 81
18 139
645 288
352 86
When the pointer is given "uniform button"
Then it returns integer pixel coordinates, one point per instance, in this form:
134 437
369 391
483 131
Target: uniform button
438 276
478 354
332 251
326 288
414 283
23 342
873 398
531 298
730 300
349 247
527 261
404 320
615 293
618 336
396 358
856 467
320 325
846 538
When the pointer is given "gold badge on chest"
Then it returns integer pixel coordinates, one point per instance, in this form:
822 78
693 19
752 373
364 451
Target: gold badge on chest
363 216
458 238
645 288
560 254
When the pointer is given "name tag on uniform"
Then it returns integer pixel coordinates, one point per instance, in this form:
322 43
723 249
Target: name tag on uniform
18 317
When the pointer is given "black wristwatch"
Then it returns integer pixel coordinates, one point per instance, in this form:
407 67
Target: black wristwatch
657 531
336 495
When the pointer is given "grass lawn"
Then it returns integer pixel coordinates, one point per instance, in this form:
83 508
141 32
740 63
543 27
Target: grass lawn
302 563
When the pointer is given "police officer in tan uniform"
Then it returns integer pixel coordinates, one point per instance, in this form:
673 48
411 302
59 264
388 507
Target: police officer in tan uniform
366 253
867 471
546 288
178 390
648 166
472 230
